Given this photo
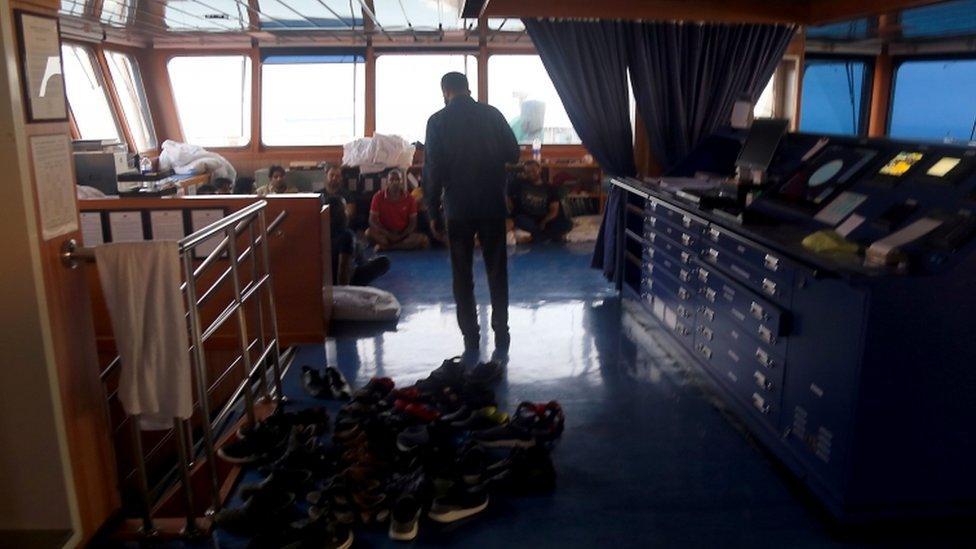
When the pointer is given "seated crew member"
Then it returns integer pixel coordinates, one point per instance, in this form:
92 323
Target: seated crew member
244 185
535 206
348 268
223 185
276 183
393 217
334 189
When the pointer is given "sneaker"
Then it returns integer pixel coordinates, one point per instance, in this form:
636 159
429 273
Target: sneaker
259 444
313 384
405 519
449 374
483 418
338 387
302 452
260 512
460 503
412 438
485 373
321 532
287 480
510 435
524 471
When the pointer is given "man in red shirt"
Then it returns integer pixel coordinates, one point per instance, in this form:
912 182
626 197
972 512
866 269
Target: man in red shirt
393 218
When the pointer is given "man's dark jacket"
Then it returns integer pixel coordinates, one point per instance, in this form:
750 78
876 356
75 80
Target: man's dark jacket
467 146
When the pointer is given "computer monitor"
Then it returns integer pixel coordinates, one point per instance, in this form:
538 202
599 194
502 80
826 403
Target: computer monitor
761 143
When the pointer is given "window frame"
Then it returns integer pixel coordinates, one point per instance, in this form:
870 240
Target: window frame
259 129
94 55
254 129
143 105
863 117
897 62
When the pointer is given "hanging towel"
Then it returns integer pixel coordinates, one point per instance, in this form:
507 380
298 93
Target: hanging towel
141 283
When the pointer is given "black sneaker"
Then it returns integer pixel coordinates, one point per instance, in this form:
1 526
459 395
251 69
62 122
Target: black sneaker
302 452
460 503
413 438
510 435
485 373
524 471
405 518
449 374
259 444
285 480
262 511
318 533
337 385
313 383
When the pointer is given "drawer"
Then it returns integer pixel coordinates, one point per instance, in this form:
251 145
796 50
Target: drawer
761 263
748 384
664 245
758 315
684 272
676 216
681 311
773 287
689 240
683 293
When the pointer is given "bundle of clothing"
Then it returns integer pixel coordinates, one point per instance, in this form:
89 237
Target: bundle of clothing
377 153
186 159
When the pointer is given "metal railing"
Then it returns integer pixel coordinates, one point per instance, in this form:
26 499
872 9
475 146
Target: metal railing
247 224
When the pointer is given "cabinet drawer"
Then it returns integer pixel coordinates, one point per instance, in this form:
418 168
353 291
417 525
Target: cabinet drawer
764 269
752 311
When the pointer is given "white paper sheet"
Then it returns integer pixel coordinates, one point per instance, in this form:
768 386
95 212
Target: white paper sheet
200 219
126 226
839 208
91 229
909 234
51 157
848 226
45 80
167 224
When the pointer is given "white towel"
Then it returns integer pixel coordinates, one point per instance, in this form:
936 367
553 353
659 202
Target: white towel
141 283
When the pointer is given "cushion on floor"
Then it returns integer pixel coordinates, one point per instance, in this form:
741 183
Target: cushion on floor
364 303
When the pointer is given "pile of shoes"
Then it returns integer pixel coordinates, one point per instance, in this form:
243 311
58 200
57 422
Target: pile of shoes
439 449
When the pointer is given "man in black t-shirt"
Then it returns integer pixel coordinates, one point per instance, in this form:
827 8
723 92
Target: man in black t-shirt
535 206
335 189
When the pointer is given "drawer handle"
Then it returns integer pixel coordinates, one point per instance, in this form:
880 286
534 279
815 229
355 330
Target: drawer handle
771 262
687 239
703 275
684 294
650 253
685 257
683 311
651 238
686 221
652 205
708 314
764 358
760 403
706 332
709 294
758 312
761 380
714 234
712 255
705 351
681 330
766 335
684 275
652 221
769 286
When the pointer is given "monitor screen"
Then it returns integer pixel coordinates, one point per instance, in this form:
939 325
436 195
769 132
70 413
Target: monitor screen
900 164
943 166
761 143
825 175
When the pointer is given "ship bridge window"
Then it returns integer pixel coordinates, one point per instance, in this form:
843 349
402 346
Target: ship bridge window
408 90
213 99
519 86
87 98
132 96
312 99
933 100
833 98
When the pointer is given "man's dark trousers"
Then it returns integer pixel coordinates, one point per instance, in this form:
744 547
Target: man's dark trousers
491 234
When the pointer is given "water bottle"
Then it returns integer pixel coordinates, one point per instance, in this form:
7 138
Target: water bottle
145 165
537 150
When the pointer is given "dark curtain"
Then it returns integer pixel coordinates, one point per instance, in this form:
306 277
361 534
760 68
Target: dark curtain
687 77
587 62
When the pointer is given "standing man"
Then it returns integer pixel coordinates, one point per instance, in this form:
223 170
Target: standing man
467 146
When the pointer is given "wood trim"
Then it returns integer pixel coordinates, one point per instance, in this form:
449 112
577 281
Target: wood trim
881 95
113 97
369 91
256 71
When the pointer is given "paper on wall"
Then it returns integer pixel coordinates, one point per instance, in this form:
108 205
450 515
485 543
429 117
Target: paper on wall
126 226
91 229
55 184
167 224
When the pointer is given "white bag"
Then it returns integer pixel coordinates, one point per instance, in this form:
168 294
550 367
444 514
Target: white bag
364 303
377 153
186 159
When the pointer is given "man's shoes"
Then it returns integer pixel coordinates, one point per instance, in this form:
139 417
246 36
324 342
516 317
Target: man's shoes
336 383
405 518
313 383
449 374
287 480
461 502
260 443
485 373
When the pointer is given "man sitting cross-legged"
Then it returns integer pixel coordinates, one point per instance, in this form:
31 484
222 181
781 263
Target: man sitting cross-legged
393 218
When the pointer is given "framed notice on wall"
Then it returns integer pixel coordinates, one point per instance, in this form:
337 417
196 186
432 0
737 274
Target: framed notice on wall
40 67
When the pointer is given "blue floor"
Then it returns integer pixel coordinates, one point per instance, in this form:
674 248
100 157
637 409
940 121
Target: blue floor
648 458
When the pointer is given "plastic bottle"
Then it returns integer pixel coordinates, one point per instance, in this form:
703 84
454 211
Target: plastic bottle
537 150
145 164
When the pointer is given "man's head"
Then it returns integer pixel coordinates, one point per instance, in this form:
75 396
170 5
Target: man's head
276 174
333 179
394 183
454 84
223 185
532 170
